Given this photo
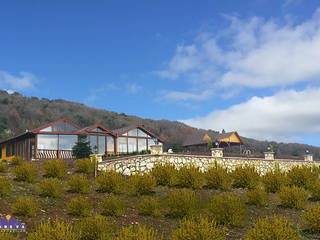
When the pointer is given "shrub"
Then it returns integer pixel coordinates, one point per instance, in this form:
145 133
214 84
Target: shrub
301 176
149 206
50 187
94 228
182 203
5 187
268 228
17 160
189 177
55 168
245 177
163 173
293 197
85 165
272 181
110 182
218 178
258 197
79 206
136 233
79 183
26 172
3 167
140 184
53 230
314 189
8 236
25 207
311 218
196 229
227 209
112 206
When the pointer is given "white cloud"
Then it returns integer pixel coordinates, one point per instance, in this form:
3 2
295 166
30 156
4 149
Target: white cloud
17 83
253 53
282 117
133 88
183 96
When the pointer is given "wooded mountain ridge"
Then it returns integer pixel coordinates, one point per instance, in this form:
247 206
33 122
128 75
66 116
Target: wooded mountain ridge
19 113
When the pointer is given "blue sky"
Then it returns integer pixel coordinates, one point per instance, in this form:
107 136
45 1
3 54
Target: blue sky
251 66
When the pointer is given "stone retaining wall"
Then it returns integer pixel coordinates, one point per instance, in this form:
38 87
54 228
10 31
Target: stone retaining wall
144 163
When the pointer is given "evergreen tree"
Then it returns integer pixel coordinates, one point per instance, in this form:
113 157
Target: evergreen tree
82 148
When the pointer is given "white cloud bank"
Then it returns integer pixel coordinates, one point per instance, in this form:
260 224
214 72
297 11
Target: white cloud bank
17 83
254 53
282 117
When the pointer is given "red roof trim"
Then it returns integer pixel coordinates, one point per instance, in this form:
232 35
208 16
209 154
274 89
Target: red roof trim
37 130
143 129
89 129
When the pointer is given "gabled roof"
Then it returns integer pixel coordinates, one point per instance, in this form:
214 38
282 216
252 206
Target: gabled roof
37 130
198 137
92 128
121 131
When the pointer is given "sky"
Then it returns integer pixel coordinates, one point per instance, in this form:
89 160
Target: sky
246 66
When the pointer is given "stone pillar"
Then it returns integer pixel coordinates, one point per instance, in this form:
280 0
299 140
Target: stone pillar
269 155
217 152
156 149
308 157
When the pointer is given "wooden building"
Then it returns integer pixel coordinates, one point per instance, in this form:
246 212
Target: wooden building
198 142
56 139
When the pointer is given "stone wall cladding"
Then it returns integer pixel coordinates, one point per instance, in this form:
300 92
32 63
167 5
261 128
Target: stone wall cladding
144 163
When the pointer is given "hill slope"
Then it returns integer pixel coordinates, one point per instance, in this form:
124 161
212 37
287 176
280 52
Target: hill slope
18 113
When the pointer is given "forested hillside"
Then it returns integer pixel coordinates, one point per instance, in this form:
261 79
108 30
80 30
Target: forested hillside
18 113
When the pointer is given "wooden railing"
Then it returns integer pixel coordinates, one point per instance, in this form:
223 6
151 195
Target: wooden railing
47 154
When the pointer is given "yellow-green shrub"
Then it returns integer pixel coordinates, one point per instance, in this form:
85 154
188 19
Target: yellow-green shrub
181 203
5 187
8 236
197 229
149 206
218 178
163 173
17 160
311 218
79 183
3 167
273 181
137 233
139 184
79 206
112 206
245 177
227 209
57 229
258 197
188 177
84 165
25 207
272 228
293 197
314 190
26 172
301 176
94 228
50 187
55 168
110 182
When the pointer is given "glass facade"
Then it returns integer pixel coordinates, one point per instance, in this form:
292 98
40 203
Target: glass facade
46 141
110 144
132 144
93 143
142 144
133 132
70 128
66 142
48 129
59 127
150 142
142 133
102 145
122 144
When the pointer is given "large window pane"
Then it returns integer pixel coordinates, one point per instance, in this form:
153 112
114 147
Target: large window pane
46 141
70 128
142 133
102 145
122 144
150 142
47 129
133 132
142 144
110 144
59 127
93 143
66 142
132 144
